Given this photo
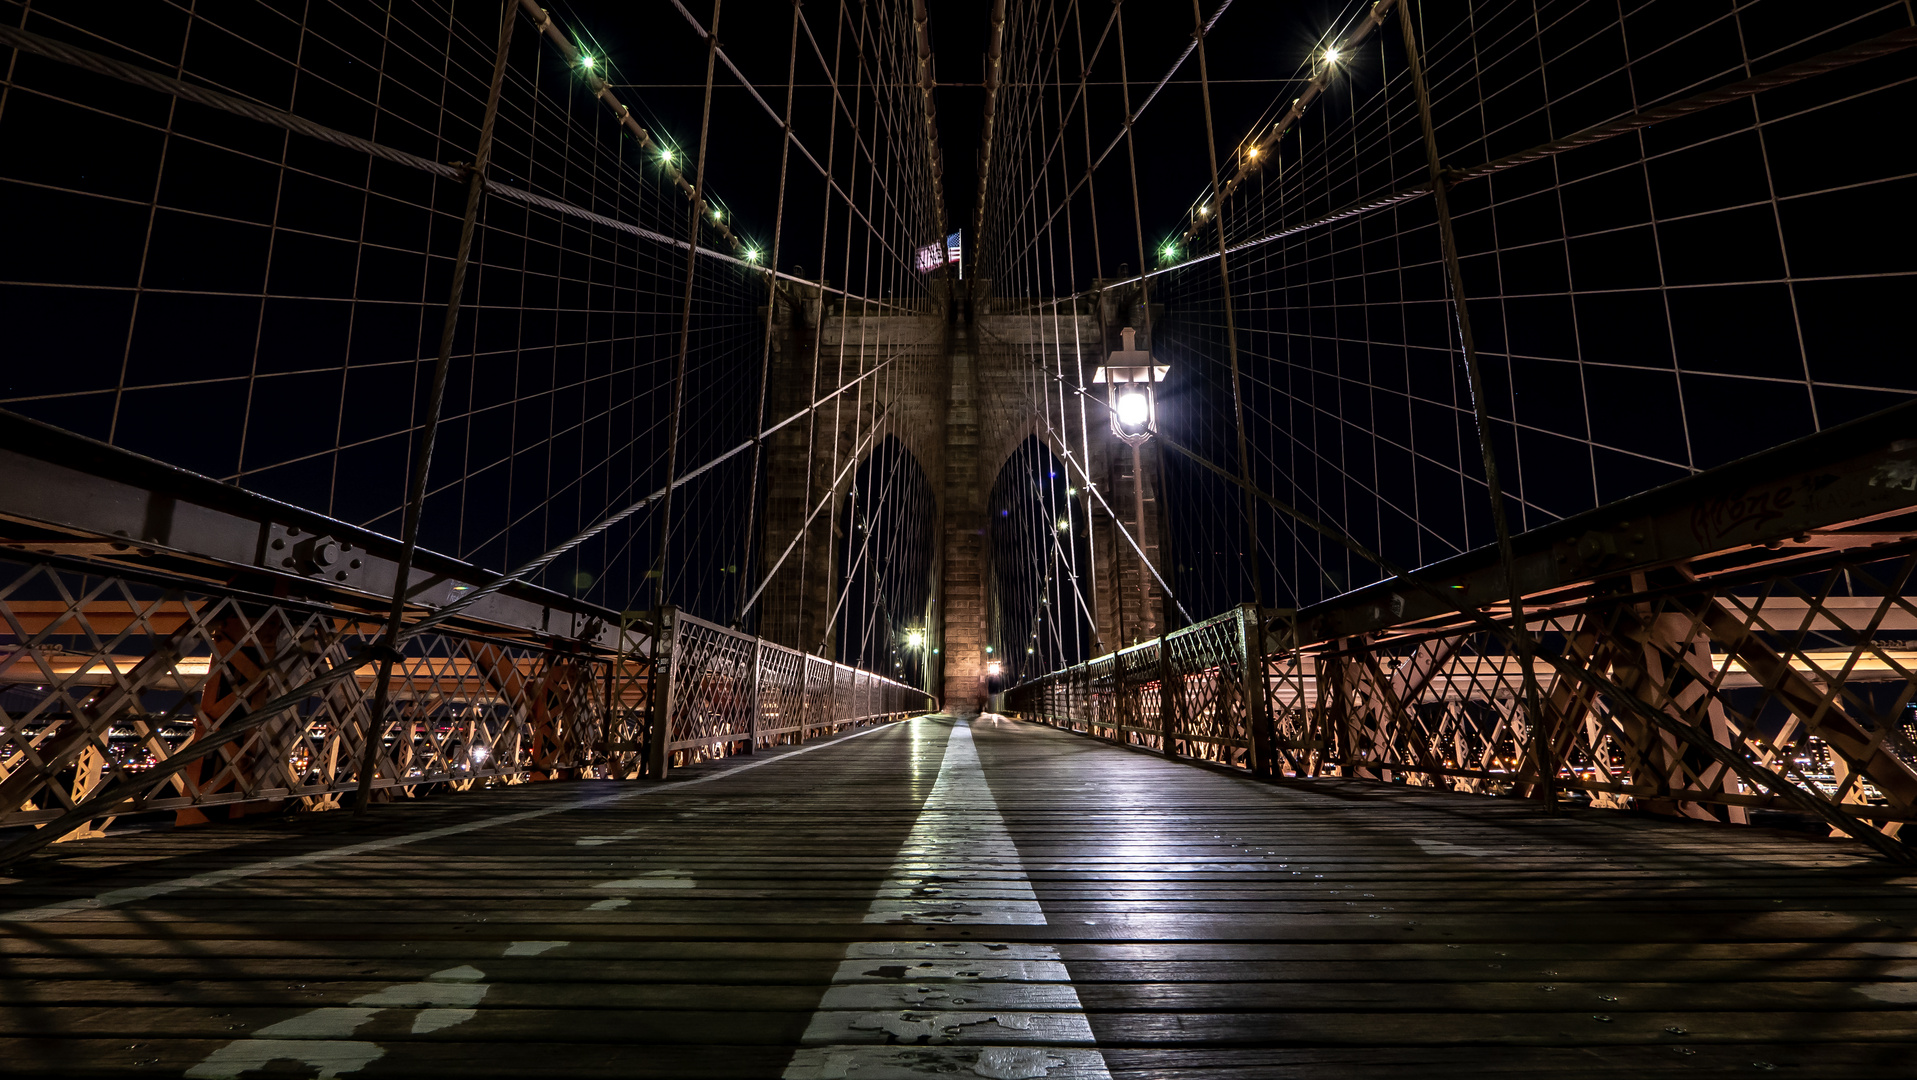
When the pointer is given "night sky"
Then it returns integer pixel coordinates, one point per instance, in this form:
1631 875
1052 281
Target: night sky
1256 48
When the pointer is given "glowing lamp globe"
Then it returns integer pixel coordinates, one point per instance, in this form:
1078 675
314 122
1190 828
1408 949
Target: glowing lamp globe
1131 378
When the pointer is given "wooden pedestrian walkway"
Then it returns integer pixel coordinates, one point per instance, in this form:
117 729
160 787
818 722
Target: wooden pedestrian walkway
953 898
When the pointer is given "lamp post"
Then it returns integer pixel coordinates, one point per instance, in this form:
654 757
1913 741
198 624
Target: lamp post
915 642
1131 380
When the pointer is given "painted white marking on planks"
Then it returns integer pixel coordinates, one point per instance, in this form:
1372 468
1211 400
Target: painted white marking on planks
318 1038
264 866
1439 847
1895 993
652 879
959 864
533 948
1001 1010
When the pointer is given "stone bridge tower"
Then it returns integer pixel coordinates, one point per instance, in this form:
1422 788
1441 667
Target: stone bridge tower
962 387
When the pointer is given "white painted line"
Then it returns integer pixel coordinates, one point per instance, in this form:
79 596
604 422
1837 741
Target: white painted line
923 1062
936 875
993 1009
113 897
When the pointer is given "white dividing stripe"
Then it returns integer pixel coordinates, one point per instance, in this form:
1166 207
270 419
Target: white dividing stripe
236 873
905 1010
959 864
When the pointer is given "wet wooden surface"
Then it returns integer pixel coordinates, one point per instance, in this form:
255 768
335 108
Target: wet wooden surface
1005 901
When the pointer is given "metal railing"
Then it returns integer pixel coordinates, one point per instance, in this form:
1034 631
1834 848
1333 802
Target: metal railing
173 645
728 692
105 676
1737 646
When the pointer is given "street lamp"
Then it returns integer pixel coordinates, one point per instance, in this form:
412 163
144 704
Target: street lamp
1131 380
915 639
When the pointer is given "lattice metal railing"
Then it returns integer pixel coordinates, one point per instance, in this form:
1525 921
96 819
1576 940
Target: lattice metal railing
103 677
1797 673
1740 646
1804 672
730 692
1122 696
106 675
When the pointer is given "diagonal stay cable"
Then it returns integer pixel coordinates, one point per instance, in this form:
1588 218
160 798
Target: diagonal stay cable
1092 486
857 453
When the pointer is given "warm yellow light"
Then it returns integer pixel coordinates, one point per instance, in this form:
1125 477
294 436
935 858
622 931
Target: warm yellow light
915 639
1251 152
1331 55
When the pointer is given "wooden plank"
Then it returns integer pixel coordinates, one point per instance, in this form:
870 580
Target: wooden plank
1205 925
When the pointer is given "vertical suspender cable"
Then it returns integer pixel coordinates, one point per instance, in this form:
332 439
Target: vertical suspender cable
1541 747
1253 561
435 398
662 730
771 303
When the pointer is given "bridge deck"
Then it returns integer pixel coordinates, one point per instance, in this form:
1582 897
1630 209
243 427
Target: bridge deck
993 899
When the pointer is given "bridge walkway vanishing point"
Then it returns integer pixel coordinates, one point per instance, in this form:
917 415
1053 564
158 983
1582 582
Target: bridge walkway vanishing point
941 897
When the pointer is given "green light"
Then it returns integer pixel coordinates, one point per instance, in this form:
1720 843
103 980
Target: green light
586 62
665 154
1169 253
752 255
718 214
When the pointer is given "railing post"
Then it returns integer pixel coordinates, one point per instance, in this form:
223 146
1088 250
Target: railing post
1251 644
1167 709
758 700
659 724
